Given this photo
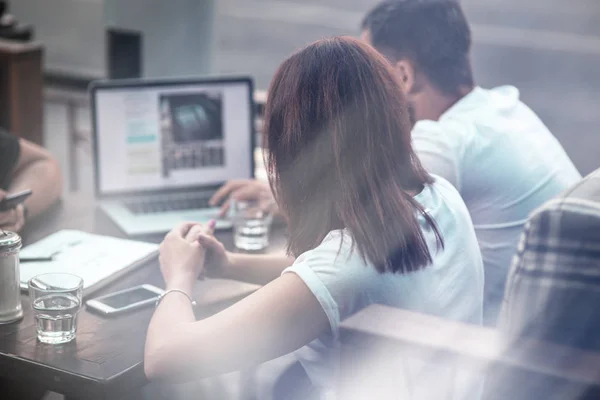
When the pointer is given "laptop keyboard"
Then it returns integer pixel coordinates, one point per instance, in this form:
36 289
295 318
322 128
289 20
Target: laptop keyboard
159 205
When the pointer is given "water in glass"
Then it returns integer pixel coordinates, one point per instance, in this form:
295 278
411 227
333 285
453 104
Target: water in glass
251 234
251 226
56 317
56 300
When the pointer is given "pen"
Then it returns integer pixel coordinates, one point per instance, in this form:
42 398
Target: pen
36 259
51 256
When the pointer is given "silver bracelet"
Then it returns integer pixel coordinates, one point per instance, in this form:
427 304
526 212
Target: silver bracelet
178 291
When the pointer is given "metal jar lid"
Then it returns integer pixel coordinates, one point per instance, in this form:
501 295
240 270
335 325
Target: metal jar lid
9 241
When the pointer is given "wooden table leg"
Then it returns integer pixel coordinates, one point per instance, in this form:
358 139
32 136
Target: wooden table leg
10 390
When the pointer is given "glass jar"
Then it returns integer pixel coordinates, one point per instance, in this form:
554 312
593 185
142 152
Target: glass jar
10 280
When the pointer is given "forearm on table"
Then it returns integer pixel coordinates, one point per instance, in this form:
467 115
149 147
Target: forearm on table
44 179
257 268
174 310
275 320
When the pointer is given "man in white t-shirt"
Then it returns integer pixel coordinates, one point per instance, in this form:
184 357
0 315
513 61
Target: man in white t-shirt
493 148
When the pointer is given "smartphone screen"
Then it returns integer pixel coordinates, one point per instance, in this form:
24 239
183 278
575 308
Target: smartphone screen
13 199
125 299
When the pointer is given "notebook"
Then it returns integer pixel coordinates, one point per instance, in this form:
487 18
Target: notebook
97 259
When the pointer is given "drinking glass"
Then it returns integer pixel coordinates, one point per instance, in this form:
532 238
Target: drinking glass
251 225
56 301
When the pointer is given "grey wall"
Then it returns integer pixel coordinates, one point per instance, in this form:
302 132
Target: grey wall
177 34
72 31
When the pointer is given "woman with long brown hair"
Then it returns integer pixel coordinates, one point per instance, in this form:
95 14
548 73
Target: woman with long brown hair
367 224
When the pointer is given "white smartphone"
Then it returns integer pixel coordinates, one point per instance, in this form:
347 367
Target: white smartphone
125 300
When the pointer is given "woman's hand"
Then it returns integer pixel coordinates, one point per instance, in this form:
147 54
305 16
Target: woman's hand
218 260
13 219
182 256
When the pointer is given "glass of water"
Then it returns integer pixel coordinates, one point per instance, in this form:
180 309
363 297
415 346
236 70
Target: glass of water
251 225
56 300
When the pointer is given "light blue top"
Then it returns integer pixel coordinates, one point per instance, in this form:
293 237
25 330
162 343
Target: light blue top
504 162
451 287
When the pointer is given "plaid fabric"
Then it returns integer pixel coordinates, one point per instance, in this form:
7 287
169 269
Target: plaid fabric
554 282
553 287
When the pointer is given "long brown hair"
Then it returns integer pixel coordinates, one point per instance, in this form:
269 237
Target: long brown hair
340 156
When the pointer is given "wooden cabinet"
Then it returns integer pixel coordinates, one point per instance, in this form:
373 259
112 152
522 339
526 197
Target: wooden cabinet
21 89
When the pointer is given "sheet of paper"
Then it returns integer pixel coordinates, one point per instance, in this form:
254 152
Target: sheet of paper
92 257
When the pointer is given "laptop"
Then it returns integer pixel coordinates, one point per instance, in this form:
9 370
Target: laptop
163 147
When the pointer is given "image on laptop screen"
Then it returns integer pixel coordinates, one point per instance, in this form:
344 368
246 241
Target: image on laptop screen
180 135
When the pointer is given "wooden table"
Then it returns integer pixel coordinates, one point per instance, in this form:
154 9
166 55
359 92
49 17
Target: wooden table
105 360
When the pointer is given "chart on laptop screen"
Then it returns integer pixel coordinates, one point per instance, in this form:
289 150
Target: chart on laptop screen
184 135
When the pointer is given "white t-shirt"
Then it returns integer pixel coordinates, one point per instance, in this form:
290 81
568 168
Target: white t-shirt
451 287
504 162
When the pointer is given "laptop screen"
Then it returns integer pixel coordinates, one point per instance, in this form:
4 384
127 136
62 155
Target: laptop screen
157 136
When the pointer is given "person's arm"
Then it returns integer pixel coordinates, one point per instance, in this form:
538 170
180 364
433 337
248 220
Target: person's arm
245 189
253 268
259 269
37 170
277 319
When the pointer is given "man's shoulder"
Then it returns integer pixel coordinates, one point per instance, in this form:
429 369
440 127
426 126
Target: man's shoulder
450 126
582 197
9 156
481 110
5 136
8 142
